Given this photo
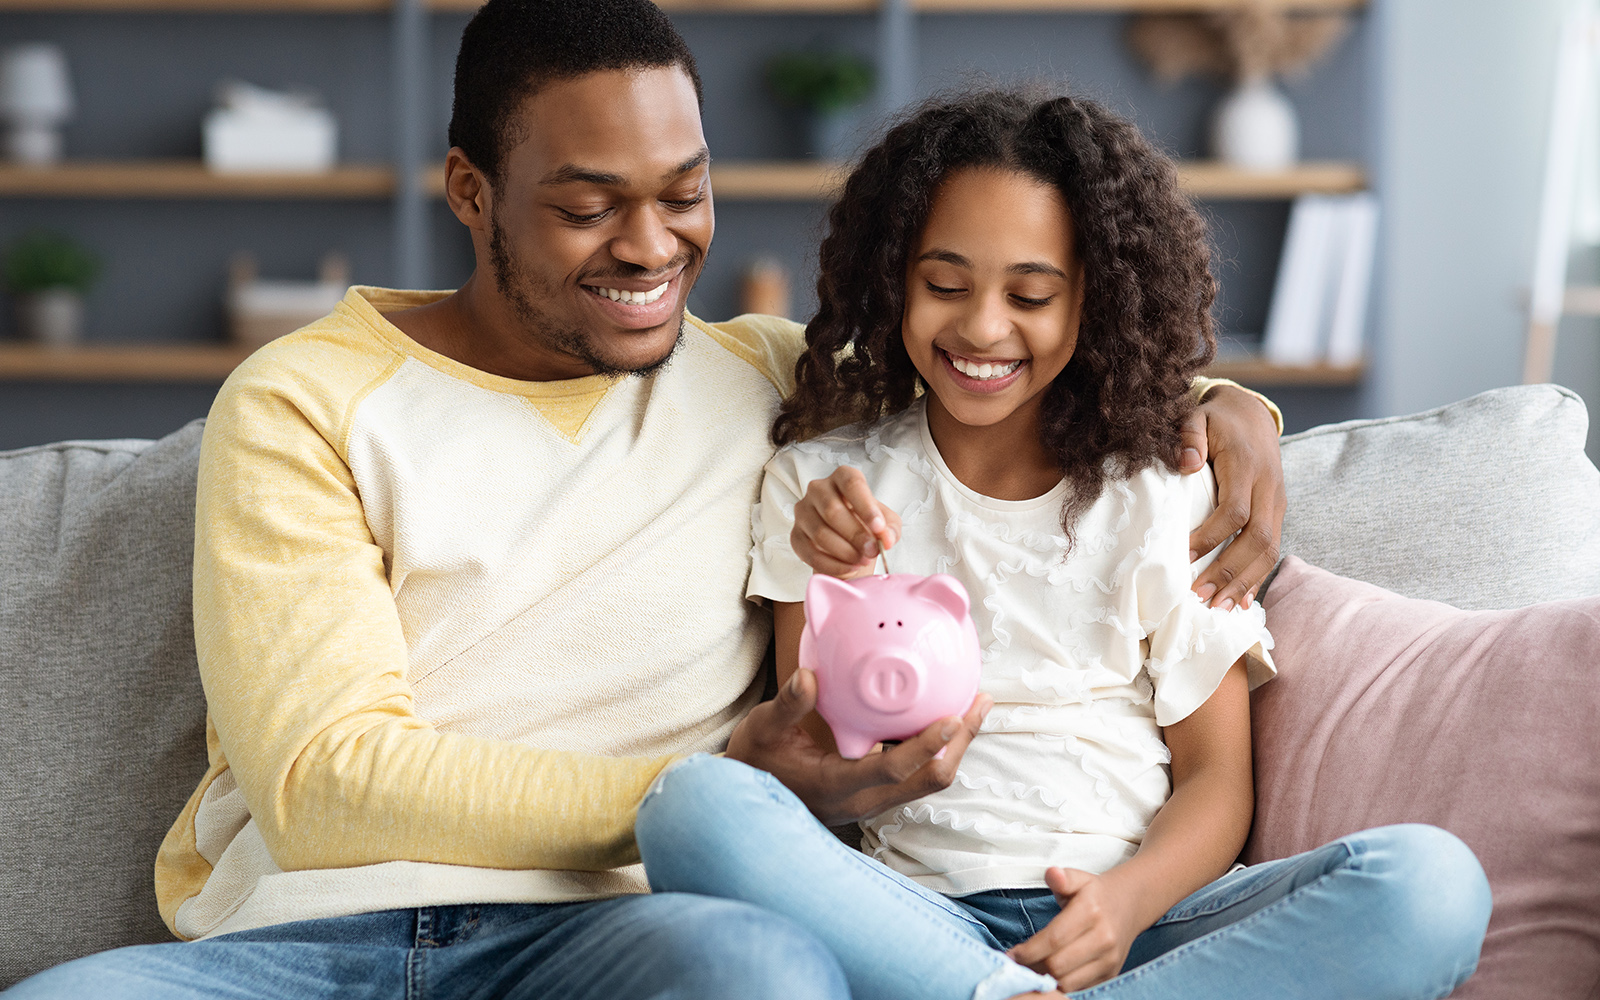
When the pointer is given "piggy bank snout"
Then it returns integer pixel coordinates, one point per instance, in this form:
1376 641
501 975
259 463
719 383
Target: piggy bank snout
890 682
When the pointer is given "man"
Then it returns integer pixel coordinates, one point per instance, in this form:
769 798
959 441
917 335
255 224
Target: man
469 573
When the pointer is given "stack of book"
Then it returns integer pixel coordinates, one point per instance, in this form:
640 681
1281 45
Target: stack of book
1319 304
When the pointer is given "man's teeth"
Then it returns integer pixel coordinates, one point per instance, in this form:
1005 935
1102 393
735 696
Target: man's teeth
972 369
633 298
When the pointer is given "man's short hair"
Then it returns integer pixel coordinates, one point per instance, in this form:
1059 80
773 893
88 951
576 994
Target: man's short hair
512 48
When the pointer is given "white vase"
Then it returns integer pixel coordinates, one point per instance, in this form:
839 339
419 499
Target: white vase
1255 128
53 317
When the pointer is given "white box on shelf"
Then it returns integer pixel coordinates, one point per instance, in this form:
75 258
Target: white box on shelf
261 130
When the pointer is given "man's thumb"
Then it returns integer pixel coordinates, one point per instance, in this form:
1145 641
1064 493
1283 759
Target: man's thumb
796 699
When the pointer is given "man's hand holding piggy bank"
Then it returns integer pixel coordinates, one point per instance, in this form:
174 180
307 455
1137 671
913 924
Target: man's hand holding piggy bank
892 655
879 685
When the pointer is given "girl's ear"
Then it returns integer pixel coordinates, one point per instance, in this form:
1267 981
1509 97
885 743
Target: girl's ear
945 591
824 595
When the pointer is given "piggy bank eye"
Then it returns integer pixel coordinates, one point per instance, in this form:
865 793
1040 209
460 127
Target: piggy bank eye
880 624
900 624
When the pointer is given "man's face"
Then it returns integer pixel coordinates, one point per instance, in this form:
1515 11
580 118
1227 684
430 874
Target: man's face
602 218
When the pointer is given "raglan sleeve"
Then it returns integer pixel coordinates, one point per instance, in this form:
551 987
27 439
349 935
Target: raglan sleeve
1189 645
304 665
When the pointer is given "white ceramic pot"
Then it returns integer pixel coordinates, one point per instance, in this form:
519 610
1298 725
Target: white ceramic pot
53 317
1255 128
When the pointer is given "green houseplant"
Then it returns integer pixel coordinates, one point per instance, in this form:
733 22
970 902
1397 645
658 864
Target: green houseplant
825 85
48 275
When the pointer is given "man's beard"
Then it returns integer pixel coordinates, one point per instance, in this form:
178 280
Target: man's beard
516 284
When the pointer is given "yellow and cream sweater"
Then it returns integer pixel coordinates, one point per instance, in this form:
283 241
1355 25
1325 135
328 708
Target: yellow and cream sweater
451 626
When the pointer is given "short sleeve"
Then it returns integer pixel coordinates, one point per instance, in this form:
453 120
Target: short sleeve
776 573
1191 645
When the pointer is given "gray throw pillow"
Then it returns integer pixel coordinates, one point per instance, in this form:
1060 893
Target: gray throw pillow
1486 503
101 714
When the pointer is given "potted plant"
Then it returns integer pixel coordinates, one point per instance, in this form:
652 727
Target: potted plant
1255 126
824 84
48 275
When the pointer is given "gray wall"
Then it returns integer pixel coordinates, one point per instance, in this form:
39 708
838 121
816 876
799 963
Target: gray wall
1464 100
144 80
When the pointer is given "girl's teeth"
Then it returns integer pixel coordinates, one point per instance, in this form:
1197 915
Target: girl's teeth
983 371
634 298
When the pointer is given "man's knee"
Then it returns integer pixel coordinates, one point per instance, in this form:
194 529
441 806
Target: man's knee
703 800
714 948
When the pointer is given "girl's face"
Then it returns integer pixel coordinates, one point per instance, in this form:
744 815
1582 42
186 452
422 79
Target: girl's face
993 294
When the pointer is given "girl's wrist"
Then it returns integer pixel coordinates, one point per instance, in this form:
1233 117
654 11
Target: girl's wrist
1140 899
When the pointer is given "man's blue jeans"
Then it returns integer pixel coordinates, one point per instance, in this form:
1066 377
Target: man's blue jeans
663 946
1396 912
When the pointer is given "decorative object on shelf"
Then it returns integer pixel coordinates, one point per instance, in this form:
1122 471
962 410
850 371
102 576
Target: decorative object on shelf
254 129
827 85
260 311
765 288
48 275
1319 304
35 101
1255 126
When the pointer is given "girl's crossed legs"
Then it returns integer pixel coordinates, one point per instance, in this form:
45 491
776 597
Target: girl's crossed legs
1396 912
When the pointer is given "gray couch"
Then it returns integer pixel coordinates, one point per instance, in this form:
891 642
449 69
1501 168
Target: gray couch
1489 502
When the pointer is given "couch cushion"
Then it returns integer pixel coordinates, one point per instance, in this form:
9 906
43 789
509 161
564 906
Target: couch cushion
1393 710
1485 503
101 712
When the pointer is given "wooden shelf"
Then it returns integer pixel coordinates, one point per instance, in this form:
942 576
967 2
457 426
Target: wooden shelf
199 6
1258 373
120 362
677 6
187 179
804 179
213 363
1215 180
1124 6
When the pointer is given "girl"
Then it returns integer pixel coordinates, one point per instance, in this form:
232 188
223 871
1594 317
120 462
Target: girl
1014 300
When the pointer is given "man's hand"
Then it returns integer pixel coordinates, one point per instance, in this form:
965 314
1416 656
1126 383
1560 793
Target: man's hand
1087 942
1237 434
839 526
837 790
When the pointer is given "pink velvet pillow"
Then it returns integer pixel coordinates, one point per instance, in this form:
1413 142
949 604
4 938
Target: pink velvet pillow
1486 723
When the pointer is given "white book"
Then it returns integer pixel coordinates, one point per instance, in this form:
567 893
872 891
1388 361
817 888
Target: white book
1348 320
1295 317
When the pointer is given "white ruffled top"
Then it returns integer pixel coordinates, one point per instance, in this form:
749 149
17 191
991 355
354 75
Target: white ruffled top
1086 655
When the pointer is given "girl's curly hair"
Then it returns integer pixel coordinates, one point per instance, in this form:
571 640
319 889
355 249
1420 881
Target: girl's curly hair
1145 328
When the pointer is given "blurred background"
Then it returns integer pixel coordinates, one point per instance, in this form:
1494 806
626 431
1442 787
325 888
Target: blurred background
182 179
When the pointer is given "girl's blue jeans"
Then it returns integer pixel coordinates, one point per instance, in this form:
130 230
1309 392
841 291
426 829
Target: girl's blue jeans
1395 912
756 899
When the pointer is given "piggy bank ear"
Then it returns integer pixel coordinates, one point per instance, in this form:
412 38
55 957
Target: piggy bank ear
945 591
825 595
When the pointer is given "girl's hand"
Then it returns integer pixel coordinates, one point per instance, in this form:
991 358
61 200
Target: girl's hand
1087 942
839 526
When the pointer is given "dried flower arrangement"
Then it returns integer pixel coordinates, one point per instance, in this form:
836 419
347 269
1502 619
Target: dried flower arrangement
1251 43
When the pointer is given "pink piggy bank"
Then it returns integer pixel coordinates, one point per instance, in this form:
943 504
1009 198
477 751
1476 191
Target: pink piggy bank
892 655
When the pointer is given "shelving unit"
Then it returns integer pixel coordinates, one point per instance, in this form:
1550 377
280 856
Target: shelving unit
731 180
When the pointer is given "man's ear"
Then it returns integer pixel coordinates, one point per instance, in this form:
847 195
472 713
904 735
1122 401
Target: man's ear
467 190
